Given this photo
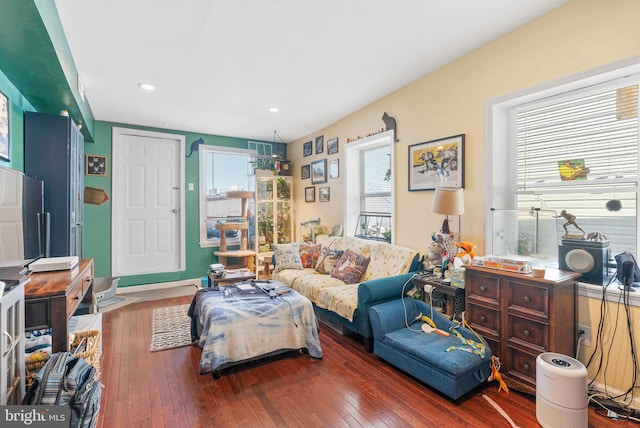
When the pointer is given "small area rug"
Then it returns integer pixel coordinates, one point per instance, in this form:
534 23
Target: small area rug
171 328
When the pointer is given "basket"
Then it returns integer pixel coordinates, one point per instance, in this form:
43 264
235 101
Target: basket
90 353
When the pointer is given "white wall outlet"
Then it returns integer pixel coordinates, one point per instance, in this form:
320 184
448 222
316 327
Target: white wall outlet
586 338
191 187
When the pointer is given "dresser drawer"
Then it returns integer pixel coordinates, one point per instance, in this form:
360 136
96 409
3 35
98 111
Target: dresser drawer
483 288
485 320
522 365
528 333
75 292
528 299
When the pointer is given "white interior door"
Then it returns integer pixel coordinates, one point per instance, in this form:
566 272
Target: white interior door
148 202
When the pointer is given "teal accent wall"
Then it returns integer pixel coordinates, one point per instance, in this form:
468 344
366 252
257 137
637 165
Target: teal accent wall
97 224
18 104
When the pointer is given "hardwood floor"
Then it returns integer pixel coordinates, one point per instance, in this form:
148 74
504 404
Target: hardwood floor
347 388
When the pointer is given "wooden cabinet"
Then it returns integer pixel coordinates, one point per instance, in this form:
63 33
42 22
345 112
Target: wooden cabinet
521 316
51 298
12 384
54 152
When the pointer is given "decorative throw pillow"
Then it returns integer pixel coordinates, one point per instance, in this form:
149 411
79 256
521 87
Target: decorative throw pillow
287 256
331 260
324 253
350 267
309 254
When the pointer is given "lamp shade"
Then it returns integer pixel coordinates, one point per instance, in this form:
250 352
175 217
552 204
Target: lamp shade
448 201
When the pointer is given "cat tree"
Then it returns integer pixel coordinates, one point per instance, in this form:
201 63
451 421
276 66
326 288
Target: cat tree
246 256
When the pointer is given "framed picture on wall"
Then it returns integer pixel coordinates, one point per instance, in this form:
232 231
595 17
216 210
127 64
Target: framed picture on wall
319 171
437 163
95 165
319 144
307 148
310 194
334 168
305 172
332 146
323 194
5 138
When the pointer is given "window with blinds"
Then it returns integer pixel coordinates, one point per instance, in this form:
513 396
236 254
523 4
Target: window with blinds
579 152
376 180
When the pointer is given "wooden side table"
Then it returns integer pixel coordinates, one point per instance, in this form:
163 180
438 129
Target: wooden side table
230 278
454 295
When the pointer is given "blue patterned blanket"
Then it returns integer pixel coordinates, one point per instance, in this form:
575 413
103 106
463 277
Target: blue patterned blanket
239 328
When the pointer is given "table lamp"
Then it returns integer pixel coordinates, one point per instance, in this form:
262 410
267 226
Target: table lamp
448 201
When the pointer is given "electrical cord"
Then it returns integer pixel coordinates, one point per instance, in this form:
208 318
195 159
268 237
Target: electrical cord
617 406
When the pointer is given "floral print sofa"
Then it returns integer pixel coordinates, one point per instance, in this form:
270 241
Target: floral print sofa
347 304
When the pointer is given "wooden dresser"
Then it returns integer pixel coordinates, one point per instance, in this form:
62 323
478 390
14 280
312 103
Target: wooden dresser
51 298
521 316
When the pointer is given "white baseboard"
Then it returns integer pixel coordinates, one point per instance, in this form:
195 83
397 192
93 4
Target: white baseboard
614 393
159 286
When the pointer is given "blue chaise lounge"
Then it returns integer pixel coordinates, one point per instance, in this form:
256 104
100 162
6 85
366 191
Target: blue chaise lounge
424 355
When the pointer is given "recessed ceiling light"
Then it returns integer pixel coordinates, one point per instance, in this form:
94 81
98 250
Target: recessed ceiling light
146 86
274 109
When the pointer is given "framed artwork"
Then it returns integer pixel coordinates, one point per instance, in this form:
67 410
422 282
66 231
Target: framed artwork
95 165
4 128
323 194
319 171
437 163
332 146
334 170
305 172
307 148
310 194
319 144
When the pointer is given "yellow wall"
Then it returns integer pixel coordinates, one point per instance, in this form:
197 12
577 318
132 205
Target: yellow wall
581 35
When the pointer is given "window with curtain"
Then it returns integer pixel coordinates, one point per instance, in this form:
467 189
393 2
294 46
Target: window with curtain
221 170
578 151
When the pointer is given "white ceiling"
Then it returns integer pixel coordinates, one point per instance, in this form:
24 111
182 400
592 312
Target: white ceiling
219 66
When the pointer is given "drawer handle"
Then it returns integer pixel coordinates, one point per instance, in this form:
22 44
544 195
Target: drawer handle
526 299
526 366
483 318
527 333
483 288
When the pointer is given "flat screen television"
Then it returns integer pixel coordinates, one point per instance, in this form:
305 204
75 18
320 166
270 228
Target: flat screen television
23 222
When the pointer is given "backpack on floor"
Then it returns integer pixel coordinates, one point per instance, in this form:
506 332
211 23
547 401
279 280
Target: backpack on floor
67 380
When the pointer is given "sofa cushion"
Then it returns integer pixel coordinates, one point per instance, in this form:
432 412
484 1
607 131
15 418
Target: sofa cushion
309 254
350 267
289 276
432 349
342 299
357 245
287 256
311 285
388 260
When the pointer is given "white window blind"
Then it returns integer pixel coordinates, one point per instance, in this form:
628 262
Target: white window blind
376 180
579 152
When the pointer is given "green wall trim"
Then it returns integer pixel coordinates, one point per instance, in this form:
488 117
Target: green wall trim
35 56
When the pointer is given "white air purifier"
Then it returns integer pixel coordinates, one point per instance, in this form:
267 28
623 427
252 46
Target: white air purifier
561 391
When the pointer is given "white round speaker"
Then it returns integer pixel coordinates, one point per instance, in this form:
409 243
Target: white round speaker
579 260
